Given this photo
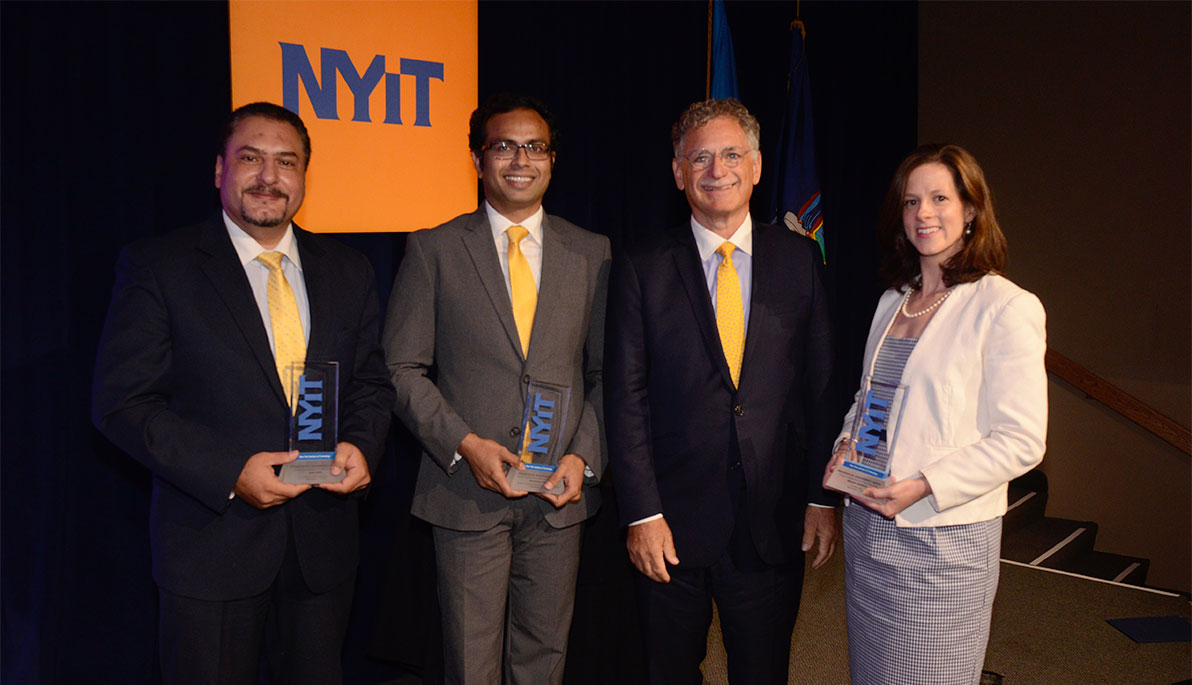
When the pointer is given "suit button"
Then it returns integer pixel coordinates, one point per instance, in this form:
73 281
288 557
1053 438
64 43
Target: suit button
515 431
526 378
738 410
736 466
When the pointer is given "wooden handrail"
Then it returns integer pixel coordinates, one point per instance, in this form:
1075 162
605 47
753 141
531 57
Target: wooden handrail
1119 400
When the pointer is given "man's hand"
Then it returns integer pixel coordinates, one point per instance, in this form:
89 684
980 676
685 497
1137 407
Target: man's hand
819 525
349 459
485 457
651 548
259 485
571 471
892 499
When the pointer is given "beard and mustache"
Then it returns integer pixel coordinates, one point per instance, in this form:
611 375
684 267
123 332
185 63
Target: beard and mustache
264 220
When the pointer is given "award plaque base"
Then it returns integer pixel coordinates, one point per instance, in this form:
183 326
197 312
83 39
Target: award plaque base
533 478
853 479
312 468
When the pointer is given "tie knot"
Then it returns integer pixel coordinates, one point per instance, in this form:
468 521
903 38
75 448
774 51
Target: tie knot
271 260
726 250
516 233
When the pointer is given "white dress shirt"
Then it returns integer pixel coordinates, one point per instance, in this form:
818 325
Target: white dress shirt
247 248
531 245
707 242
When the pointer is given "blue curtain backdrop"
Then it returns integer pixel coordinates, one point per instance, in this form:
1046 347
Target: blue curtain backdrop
111 113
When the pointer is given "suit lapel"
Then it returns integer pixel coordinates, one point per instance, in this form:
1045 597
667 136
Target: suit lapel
320 296
687 262
478 241
557 262
754 328
222 267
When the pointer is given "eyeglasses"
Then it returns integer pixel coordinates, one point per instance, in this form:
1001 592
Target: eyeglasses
729 157
507 149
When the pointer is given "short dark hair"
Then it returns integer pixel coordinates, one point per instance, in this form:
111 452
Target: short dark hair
699 114
983 251
269 111
502 103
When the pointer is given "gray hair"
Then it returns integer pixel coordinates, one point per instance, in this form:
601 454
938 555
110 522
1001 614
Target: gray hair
700 113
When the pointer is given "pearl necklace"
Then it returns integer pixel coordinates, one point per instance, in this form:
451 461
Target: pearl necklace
907 297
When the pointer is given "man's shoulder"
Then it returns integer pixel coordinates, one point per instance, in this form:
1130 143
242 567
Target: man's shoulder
176 242
661 244
564 226
321 245
451 229
775 237
576 235
327 260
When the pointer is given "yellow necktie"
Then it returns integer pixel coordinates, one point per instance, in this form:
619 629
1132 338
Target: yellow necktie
289 342
730 316
521 282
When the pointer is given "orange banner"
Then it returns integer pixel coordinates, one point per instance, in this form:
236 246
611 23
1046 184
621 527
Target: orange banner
385 90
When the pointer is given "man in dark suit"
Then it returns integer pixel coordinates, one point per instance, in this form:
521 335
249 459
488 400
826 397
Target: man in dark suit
493 301
203 322
718 359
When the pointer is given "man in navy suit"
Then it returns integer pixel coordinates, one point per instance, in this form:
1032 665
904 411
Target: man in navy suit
717 363
187 383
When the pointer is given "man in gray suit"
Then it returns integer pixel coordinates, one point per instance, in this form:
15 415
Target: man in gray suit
492 301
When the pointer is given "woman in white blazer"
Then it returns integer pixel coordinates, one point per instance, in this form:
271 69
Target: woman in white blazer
921 559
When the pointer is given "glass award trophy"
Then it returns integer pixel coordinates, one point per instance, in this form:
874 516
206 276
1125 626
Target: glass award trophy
314 423
874 435
543 423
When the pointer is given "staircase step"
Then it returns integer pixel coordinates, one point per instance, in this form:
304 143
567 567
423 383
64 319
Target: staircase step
1034 480
1106 566
1029 537
1023 506
1050 542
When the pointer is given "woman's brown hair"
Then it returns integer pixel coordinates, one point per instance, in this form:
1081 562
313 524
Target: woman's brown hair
984 248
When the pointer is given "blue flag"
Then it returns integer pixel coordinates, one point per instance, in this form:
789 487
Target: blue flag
724 64
796 183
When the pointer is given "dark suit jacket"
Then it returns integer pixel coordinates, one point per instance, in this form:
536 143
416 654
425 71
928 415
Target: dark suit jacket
185 382
676 426
450 311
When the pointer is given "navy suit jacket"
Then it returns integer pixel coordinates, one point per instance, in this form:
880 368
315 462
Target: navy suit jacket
677 429
185 382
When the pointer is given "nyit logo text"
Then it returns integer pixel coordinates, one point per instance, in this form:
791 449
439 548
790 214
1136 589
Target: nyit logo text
296 68
541 416
310 404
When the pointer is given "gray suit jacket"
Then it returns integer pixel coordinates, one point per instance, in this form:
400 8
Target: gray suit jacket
450 318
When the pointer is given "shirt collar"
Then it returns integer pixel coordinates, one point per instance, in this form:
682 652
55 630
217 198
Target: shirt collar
707 242
248 249
500 224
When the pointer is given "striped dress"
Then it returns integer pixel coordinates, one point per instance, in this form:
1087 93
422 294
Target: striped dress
919 600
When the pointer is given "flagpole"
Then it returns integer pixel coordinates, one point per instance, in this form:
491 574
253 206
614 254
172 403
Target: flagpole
708 71
798 22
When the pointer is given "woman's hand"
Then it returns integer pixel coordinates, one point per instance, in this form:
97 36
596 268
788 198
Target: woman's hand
837 459
891 500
